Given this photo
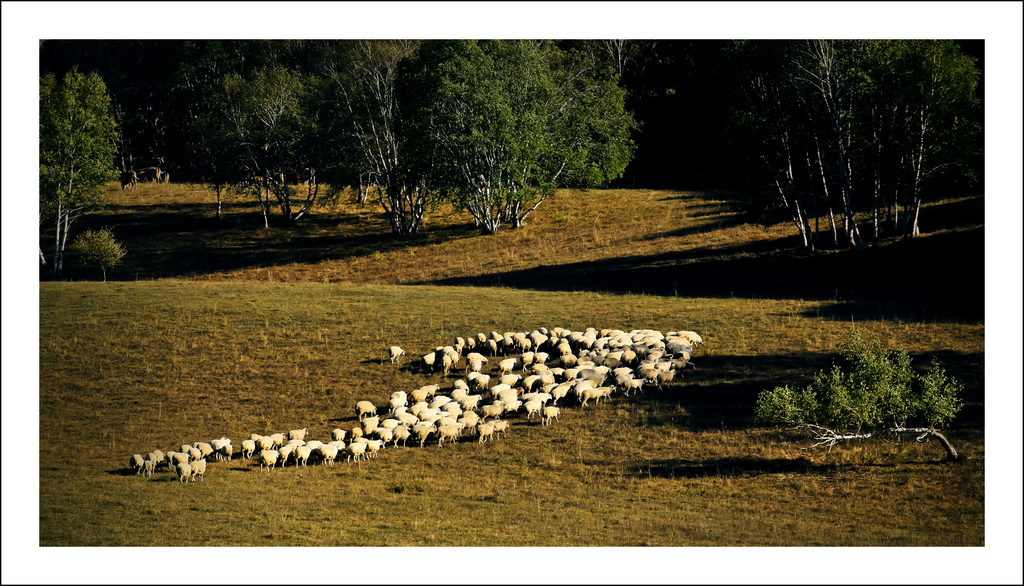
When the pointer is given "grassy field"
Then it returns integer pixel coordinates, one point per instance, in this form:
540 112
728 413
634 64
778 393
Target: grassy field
231 330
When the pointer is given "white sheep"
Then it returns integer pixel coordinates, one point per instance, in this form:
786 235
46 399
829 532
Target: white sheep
469 419
278 438
328 453
396 352
338 435
265 442
385 434
428 361
459 393
205 450
370 424
355 451
485 431
302 454
506 366
136 463
559 391
493 410
364 408
149 466
471 402
248 448
285 452
533 407
268 459
198 470
402 434
550 412
299 434
449 432
184 471
500 427
423 431
389 424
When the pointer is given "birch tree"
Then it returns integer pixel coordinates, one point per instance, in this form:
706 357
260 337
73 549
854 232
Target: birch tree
500 124
364 76
77 136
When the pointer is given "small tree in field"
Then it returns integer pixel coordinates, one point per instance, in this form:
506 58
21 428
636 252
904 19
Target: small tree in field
875 394
98 247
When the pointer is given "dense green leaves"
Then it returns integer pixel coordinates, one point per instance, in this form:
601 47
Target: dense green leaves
499 124
77 136
872 388
100 248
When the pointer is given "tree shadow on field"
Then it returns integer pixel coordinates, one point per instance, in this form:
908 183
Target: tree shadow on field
722 391
729 467
938 277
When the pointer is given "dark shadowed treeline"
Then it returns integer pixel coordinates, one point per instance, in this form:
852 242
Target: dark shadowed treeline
845 138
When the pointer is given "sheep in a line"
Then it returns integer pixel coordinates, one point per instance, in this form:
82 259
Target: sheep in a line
298 434
355 451
302 454
136 463
148 467
328 453
423 431
286 451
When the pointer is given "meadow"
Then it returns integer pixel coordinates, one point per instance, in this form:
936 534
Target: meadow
215 327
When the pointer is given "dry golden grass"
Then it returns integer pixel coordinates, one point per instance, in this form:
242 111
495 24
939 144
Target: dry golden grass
129 367
224 347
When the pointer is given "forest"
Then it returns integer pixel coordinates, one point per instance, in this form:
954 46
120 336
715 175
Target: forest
845 139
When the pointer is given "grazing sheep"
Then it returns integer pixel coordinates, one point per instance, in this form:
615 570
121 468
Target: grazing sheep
512 406
385 435
510 379
665 377
527 359
364 408
471 402
248 448
184 471
338 435
493 410
396 403
328 453
302 454
550 412
156 455
178 458
440 401
408 419
428 361
459 393
357 432
297 434
198 470
506 366
370 424
285 451
485 431
469 419
540 357
396 352
148 466
268 459
448 432
559 391
500 427
136 463
194 454
423 431
388 424
533 407
205 450
402 434
265 442
355 451
278 438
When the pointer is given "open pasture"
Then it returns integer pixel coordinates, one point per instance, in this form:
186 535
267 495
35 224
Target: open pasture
127 367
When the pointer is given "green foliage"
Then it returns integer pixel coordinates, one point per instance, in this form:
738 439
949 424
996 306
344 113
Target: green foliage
76 141
498 125
99 247
873 388
77 135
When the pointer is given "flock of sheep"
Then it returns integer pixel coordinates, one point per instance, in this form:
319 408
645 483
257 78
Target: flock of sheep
534 371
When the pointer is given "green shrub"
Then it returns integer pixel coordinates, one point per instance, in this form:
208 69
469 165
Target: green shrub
99 247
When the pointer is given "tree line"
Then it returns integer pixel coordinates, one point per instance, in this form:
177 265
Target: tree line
818 130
